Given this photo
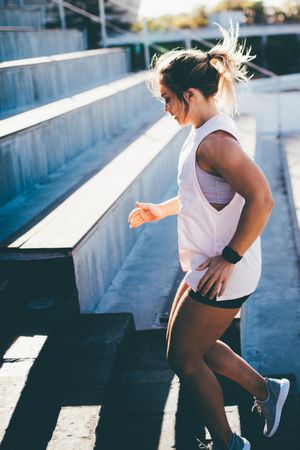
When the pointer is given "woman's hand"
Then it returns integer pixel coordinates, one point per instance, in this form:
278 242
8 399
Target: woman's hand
217 276
145 212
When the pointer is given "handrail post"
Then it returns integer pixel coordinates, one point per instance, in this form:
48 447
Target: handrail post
103 23
62 17
146 43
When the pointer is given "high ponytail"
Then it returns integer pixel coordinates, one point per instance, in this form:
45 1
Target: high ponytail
229 58
214 73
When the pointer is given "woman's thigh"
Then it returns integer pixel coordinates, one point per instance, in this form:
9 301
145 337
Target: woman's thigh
180 291
195 328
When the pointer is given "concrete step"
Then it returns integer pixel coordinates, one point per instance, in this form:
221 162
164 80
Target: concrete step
26 16
89 369
84 225
45 196
37 142
20 44
270 318
89 234
150 409
32 82
145 402
35 319
291 170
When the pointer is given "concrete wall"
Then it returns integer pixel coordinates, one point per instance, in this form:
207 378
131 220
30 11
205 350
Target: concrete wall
30 155
30 43
31 83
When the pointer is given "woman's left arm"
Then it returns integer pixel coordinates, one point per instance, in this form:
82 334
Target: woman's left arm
226 156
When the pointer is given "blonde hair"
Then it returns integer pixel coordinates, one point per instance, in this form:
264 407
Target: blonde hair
215 72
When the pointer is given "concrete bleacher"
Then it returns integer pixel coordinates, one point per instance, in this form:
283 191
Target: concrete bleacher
49 78
27 16
85 224
18 43
37 142
71 215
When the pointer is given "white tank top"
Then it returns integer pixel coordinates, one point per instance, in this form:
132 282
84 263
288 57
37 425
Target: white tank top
203 231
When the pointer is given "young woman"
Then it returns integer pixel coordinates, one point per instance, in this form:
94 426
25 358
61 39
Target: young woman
223 204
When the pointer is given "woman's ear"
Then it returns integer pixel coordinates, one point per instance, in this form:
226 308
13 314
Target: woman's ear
188 94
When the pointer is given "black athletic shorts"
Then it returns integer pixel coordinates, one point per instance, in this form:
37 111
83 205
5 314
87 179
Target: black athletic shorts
236 303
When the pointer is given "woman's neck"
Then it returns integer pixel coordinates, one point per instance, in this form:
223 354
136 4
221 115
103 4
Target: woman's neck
211 110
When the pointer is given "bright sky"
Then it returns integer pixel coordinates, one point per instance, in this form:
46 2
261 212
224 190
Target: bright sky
154 8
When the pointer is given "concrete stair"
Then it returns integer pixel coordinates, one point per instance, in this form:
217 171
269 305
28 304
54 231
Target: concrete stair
65 378
36 317
291 171
68 229
151 410
265 344
50 78
89 369
27 16
20 43
103 385
62 157
37 142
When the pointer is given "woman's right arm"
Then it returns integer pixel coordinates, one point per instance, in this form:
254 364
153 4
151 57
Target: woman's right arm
150 212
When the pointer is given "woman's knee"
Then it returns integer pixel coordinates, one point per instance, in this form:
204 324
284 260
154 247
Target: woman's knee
184 366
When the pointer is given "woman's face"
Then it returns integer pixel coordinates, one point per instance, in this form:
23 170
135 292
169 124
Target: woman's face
173 105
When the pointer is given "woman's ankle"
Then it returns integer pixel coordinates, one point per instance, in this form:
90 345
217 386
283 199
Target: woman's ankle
224 443
263 394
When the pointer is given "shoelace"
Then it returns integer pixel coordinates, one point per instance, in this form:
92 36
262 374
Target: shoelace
204 446
256 406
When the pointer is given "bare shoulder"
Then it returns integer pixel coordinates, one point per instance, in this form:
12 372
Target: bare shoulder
218 144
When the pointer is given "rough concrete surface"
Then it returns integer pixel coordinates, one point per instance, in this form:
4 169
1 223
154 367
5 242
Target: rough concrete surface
270 318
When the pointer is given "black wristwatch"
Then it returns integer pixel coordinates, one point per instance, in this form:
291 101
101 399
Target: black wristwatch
231 255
